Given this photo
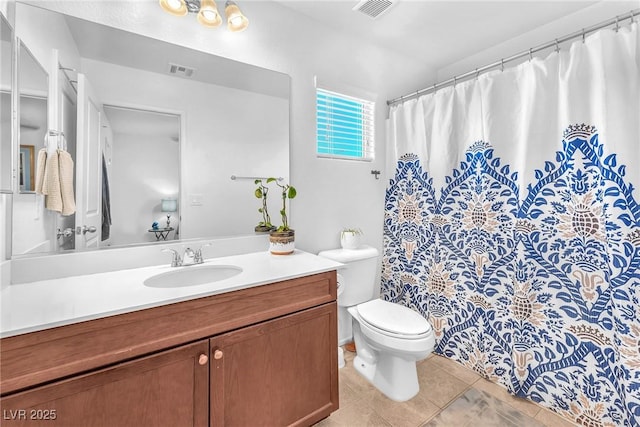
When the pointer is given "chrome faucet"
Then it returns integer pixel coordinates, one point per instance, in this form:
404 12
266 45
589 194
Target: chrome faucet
190 256
199 259
176 261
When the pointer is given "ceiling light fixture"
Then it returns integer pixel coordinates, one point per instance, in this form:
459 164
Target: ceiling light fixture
207 12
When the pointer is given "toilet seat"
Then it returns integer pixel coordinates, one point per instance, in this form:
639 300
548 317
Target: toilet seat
393 320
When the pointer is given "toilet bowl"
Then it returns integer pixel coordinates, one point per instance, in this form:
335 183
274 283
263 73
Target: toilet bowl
390 339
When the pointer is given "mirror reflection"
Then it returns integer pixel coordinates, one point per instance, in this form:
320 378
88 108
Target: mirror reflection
30 225
33 89
6 64
141 175
172 124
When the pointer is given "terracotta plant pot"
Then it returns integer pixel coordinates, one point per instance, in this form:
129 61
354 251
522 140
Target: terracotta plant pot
282 242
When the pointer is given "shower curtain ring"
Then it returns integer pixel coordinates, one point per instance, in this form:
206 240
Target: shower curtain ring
632 17
530 54
617 24
454 81
557 46
477 74
434 88
502 64
583 35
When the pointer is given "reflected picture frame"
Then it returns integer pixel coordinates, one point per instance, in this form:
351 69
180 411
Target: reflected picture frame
26 161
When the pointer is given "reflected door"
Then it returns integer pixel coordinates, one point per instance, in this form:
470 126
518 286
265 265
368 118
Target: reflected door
88 166
67 122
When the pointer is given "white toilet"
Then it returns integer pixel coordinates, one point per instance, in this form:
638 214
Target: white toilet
390 338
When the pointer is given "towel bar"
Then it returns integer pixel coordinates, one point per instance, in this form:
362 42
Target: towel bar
235 177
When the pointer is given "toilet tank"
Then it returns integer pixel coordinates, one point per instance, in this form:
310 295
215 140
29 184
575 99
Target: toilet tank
357 278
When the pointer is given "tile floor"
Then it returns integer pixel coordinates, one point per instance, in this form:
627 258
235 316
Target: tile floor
450 396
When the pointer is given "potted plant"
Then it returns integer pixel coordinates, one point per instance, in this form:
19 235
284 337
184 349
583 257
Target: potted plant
281 240
261 192
351 238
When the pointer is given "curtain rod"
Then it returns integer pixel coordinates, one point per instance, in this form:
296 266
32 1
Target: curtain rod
455 79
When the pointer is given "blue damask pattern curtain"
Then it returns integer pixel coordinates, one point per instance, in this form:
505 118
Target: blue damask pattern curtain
513 224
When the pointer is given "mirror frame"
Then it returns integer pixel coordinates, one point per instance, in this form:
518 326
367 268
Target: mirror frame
6 194
12 93
17 146
18 46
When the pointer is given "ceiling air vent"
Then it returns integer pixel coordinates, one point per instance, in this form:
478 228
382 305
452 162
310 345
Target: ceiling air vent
374 8
181 70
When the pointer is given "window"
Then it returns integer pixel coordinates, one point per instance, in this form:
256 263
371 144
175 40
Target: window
344 126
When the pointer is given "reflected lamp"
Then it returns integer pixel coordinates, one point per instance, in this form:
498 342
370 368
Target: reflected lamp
169 206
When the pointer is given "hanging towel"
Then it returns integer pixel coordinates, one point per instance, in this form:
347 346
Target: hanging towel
40 169
65 163
51 184
106 202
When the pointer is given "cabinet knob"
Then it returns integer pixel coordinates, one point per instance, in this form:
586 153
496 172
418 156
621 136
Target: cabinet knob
218 354
203 359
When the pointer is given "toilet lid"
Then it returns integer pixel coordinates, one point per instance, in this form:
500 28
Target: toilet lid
393 318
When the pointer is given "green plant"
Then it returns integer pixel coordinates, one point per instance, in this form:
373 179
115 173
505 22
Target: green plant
261 193
355 231
288 192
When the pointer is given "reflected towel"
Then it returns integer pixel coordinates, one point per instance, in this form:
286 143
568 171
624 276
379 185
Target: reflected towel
51 184
40 168
65 163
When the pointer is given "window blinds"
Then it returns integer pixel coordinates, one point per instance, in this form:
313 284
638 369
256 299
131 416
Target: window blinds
344 126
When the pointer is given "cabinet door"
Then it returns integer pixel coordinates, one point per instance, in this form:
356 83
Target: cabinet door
277 373
170 388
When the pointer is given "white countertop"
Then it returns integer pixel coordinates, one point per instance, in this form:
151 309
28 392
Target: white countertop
34 306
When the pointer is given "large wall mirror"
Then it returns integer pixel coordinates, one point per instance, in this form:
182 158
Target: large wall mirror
156 131
6 90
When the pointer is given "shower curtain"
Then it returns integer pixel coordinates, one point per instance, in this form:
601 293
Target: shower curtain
513 224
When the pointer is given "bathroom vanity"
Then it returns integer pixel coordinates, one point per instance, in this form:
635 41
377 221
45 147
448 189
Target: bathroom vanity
256 352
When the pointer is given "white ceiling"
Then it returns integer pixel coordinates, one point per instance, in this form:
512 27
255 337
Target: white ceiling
438 33
108 44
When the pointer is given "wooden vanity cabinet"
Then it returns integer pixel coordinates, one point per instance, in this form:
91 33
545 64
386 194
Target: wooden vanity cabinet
170 388
278 373
265 356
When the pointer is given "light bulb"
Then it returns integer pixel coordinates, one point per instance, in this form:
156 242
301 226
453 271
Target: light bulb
174 7
236 21
209 15
174 4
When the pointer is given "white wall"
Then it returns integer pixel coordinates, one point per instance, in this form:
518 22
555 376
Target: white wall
31 223
144 170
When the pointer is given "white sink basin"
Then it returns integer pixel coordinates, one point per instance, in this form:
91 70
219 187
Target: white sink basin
192 276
